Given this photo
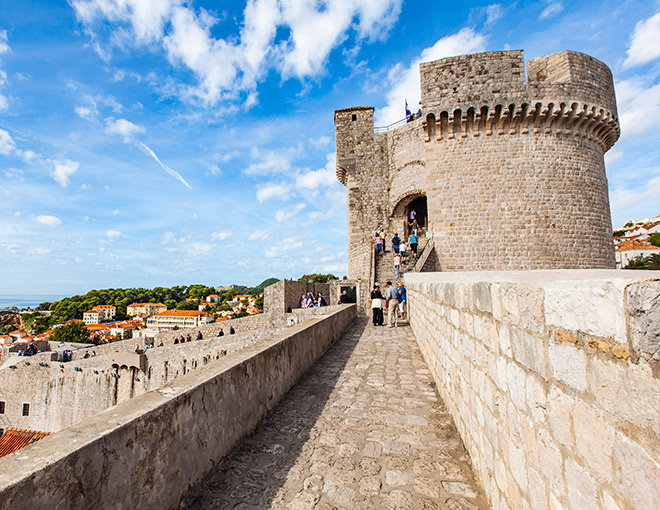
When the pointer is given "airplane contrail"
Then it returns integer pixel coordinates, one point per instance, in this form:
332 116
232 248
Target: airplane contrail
173 173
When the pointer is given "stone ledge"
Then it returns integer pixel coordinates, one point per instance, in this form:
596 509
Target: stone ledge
149 451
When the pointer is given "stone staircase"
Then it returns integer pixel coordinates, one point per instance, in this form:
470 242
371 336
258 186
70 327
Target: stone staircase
385 263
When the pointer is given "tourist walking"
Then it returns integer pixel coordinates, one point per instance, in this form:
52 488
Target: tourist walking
320 300
397 264
396 241
413 240
379 244
377 305
402 250
402 298
392 305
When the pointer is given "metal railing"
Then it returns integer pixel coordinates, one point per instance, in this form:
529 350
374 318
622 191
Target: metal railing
385 129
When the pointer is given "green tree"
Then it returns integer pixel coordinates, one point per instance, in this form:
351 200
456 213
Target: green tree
637 263
654 262
655 239
317 278
75 332
259 303
619 233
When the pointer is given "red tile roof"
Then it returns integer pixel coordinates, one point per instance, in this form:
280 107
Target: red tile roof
15 439
635 245
181 313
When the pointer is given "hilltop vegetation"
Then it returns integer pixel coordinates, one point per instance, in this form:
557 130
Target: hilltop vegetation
180 297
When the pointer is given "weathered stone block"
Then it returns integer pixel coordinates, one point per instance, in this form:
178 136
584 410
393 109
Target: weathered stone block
639 473
643 312
593 439
591 306
582 492
569 365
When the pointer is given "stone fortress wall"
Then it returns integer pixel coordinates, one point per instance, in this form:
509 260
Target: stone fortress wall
553 381
512 169
63 394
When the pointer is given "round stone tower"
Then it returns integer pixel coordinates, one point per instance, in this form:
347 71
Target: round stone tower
515 177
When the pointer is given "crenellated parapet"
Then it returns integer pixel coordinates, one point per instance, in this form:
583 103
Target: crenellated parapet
539 118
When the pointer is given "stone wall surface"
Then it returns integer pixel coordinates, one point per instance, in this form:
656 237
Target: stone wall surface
63 394
149 451
553 380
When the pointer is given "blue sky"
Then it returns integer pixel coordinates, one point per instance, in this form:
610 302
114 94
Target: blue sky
168 142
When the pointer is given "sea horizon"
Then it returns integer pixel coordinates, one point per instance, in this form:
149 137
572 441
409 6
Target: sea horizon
27 300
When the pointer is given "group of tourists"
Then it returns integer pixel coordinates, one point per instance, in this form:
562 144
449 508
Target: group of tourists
394 301
399 249
30 350
310 301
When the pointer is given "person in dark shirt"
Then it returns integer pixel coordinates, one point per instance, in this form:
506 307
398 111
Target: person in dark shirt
344 299
396 241
377 305
231 330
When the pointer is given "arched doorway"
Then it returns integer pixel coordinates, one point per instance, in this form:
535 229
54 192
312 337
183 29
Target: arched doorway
417 211
409 207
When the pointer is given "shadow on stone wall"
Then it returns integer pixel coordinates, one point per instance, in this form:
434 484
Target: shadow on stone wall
259 466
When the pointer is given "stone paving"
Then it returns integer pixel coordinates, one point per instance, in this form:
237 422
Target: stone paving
364 429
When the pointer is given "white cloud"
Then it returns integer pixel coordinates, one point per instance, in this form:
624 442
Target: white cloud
325 177
404 81
226 67
4 103
321 141
123 127
638 104
29 156
271 162
45 219
259 234
637 202
85 112
63 170
113 234
494 13
270 190
644 42
7 144
115 212
215 170
287 213
4 44
220 236
552 9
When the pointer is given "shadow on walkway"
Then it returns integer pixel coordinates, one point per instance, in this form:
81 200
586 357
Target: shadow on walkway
363 430
250 476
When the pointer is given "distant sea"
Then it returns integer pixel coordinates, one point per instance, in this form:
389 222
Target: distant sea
25 300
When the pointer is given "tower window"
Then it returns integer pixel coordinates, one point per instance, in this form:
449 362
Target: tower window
354 117
26 409
2 407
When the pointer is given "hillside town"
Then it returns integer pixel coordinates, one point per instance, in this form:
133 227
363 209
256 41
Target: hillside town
142 320
637 241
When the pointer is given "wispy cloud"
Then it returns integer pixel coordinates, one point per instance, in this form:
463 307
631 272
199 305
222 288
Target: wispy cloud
644 42
553 8
173 173
112 234
271 190
7 144
285 214
4 48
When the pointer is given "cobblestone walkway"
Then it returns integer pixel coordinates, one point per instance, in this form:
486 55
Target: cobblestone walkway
364 429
